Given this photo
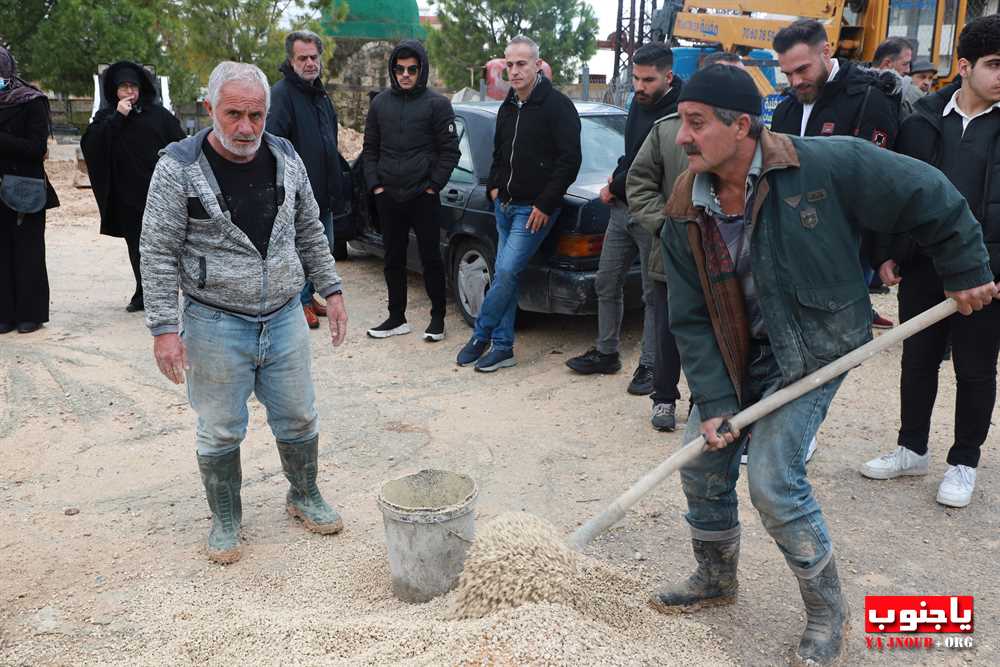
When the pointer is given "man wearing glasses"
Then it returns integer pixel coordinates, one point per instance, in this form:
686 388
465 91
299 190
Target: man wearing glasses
409 151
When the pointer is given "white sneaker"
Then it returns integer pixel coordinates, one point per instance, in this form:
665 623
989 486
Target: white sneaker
901 462
957 486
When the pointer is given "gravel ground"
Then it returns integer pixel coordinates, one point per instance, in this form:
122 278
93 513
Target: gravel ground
103 519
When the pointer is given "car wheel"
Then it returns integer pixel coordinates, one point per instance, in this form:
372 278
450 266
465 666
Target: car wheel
340 250
471 276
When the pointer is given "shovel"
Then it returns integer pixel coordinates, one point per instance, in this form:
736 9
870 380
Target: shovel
615 512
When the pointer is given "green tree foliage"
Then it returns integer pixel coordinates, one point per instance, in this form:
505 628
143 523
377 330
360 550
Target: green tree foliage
78 35
20 20
62 42
475 31
251 31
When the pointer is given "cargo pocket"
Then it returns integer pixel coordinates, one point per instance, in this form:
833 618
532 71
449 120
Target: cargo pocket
834 319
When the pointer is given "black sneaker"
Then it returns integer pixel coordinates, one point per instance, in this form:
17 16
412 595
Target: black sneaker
593 361
435 330
135 305
391 327
642 381
664 417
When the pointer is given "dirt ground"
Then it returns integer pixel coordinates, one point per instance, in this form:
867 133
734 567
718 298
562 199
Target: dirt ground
103 519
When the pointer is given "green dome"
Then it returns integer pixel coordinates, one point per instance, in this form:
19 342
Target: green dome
388 20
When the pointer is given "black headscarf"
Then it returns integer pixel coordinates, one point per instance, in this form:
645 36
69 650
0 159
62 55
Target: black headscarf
17 91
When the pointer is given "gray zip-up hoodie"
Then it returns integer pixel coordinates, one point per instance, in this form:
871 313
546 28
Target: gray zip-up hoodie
189 240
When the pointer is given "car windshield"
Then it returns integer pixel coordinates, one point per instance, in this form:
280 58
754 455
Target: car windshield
602 140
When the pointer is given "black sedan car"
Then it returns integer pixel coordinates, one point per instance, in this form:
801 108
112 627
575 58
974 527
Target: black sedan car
560 278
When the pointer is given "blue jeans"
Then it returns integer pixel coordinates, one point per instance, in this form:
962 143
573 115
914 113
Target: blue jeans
327 220
776 473
517 245
231 358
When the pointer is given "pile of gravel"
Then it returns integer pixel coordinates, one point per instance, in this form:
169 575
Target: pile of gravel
329 602
515 559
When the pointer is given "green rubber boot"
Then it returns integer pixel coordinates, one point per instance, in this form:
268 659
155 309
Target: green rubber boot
304 500
222 477
713 582
827 619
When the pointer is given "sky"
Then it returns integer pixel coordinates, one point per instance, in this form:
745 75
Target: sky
607 13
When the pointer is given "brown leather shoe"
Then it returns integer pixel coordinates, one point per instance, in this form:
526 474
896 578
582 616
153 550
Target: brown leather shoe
311 318
319 305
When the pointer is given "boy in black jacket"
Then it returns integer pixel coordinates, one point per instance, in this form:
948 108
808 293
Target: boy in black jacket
957 130
536 157
410 149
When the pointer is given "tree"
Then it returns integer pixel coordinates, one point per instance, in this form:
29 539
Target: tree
78 35
475 31
20 20
250 31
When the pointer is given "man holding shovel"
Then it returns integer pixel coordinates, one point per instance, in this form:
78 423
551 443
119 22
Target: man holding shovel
761 248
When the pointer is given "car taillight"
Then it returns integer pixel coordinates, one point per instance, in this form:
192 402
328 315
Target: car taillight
580 245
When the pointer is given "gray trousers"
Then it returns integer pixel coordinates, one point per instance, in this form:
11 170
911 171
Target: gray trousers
623 239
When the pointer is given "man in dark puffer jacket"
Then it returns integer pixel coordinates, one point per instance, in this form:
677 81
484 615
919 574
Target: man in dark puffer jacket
409 152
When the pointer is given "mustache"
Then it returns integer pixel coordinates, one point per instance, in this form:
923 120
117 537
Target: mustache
690 149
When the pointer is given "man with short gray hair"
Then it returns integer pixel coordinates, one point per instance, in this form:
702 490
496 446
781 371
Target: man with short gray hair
536 157
232 222
302 112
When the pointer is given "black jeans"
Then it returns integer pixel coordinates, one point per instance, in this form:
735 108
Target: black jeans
975 343
397 218
24 281
667 361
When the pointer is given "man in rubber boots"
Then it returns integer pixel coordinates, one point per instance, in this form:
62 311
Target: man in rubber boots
761 251
232 222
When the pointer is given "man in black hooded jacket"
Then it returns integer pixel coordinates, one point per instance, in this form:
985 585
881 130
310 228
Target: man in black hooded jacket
121 146
410 150
302 112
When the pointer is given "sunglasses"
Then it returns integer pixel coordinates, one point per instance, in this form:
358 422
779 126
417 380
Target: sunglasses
410 69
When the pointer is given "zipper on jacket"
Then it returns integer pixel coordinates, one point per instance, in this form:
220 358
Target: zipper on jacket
513 142
202 272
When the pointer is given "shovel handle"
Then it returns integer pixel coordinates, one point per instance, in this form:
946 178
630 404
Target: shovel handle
616 511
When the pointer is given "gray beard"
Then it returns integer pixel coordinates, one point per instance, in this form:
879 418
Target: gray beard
233 147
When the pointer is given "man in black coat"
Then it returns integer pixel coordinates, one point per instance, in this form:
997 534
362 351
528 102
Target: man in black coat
957 130
410 149
302 112
536 157
121 146
832 97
